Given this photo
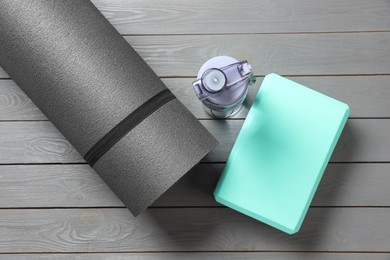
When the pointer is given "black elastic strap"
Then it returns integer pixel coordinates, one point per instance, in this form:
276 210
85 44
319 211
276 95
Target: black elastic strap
126 125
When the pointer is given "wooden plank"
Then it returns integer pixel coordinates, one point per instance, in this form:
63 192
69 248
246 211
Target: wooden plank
15 105
191 229
354 185
367 96
342 185
34 142
266 16
35 186
363 140
3 74
26 186
199 255
285 54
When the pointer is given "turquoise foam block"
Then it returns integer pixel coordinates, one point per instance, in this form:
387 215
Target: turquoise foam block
281 153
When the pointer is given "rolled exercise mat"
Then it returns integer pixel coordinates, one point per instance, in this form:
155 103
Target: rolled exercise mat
101 95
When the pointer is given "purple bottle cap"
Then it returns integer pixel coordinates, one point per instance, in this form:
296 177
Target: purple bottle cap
222 84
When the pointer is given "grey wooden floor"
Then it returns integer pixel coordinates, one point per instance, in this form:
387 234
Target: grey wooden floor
53 206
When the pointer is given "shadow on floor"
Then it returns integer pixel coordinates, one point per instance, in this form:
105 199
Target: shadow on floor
220 228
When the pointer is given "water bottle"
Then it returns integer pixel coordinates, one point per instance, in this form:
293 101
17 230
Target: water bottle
222 85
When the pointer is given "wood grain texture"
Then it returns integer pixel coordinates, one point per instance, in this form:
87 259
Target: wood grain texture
285 54
34 142
367 96
266 16
3 74
363 140
28 186
338 47
200 255
15 105
193 229
32 186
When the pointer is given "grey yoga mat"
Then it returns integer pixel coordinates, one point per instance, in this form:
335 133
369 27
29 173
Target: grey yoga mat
101 96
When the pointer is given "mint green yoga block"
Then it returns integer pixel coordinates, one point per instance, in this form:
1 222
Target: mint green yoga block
281 153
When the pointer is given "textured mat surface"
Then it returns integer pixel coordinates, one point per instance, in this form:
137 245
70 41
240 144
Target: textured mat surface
87 79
